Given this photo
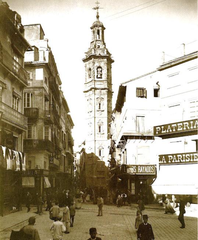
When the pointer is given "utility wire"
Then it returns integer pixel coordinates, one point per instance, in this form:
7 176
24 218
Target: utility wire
135 10
129 9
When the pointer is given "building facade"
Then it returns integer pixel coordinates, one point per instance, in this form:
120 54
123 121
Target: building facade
98 92
36 144
13 123
49 144
177 126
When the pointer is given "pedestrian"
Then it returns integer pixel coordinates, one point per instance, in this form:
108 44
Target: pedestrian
28 201
66 218
119 201
54 211
124 198
141 204
100 203
49 202
168 206
31 230
39 201
182 211
145 231
138 219
57 229
72 214
93 233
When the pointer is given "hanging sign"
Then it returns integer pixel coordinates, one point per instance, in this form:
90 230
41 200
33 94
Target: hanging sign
178 127
141 169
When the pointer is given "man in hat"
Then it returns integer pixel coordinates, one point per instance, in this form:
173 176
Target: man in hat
145 231
93 233
31 230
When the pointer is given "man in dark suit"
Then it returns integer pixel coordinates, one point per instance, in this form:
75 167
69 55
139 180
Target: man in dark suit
145 231
181 213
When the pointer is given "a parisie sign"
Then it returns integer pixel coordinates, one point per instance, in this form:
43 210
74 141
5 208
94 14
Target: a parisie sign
178 127
178 158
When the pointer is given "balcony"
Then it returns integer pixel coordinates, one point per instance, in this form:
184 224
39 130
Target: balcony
38 144
31 112
10 65
13 117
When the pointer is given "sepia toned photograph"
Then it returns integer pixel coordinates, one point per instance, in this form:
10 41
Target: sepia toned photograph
98 120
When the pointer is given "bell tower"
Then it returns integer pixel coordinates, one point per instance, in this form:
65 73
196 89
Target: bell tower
98 91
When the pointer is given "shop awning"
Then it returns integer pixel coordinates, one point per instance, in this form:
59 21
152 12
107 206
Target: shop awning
177 180
46 183
28 182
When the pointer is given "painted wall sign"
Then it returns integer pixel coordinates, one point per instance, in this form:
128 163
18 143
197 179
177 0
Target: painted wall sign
178 127
141 169
178 158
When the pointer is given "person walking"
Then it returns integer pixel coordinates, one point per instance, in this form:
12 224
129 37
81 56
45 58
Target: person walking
145 231
72 214
141 204
31 230
49 202
57 229
66 218
39 201
182 211
93 233
138 219
54 211
28 201
100 203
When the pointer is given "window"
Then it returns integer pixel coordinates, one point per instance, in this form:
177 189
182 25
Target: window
27 100
89 73
98 34
99 72
156 92
16 63
140 124
30 131
15 102
141 92
39 74
47 133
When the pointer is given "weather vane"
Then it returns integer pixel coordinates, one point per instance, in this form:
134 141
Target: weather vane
96 8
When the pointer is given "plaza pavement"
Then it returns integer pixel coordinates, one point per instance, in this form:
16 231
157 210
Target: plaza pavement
115 224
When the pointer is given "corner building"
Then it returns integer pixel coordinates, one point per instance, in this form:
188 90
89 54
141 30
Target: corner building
98 93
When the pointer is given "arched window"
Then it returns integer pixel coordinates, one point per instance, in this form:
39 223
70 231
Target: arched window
99 72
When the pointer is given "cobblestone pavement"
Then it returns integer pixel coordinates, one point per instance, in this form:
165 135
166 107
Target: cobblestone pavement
115 224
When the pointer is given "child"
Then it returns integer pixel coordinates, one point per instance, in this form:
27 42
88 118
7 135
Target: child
93 233
145 230
72 214
138 219
57 229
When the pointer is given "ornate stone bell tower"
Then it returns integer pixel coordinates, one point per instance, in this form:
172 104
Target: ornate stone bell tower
98 92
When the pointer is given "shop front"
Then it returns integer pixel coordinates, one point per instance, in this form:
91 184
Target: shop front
136 180
12 164
178 176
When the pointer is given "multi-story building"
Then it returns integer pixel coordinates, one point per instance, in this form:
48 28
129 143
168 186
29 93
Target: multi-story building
98 92
156 125
49 143
13 123
136 110
177 126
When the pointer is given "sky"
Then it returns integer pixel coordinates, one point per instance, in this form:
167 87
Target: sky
137 32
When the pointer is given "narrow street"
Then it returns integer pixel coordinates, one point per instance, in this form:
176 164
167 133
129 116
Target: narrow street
115 224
